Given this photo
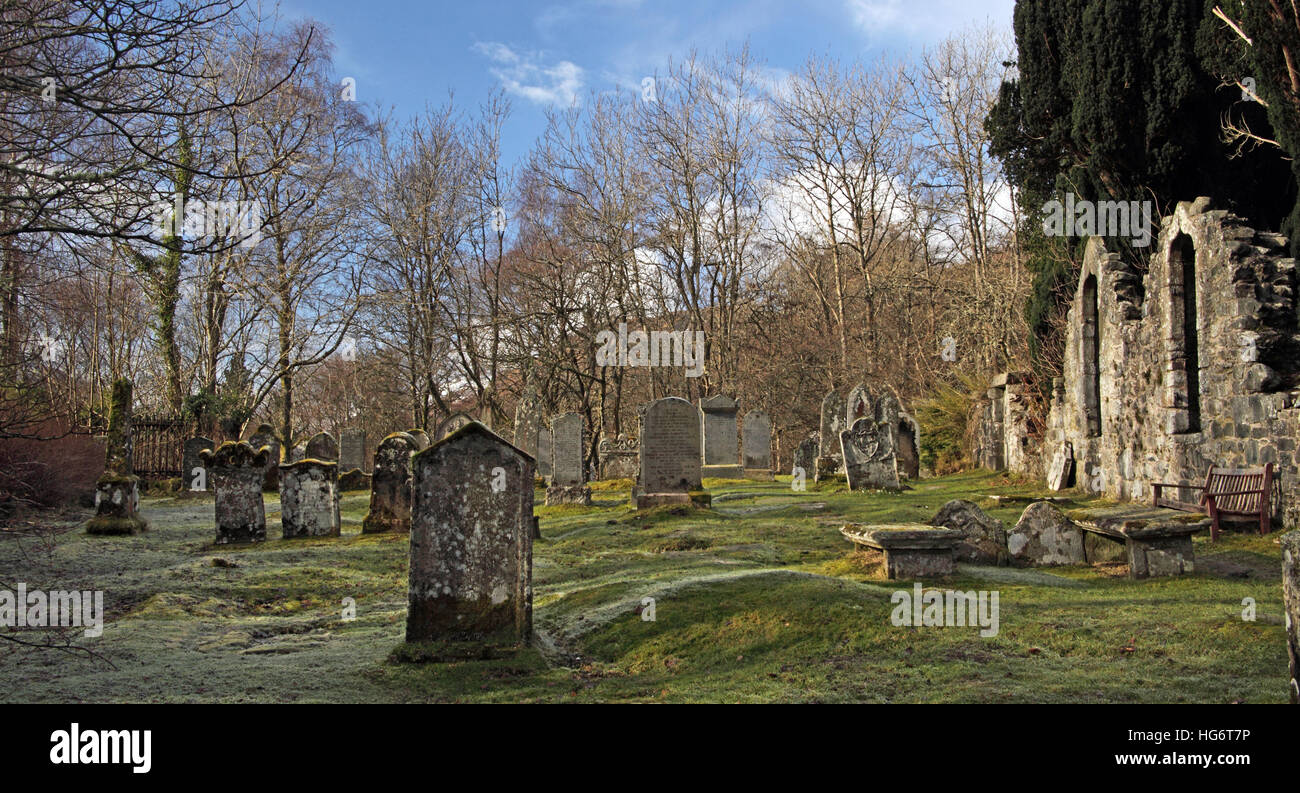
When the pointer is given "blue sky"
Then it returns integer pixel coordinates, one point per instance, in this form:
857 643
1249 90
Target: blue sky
405 54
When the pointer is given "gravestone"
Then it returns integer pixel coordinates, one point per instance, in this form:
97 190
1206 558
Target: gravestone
352 450
757 445
567 482
908 446
356 479
720 438
471 541
805 455
1044 536
1291 602
829 459
528 421
420 437
309 499
1061 474
545 448
618 458
265 436
390 485
193 474
869 460
117 491
669 462
859 405
321 446
237 473
452 423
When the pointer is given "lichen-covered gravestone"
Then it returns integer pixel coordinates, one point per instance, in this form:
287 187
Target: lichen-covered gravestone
567 482
390 486
618 458
1291 602
1044 536
829 459
471 541
237 472
352 450
421 438
1061 474
669 471
805 456
452 423
117 491
528 421
309 499
265 436
321 446
194 475
545 448
757 445
869 460
859 405
720 438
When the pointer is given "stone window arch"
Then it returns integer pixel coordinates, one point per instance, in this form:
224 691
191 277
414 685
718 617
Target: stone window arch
1090 328
1184 341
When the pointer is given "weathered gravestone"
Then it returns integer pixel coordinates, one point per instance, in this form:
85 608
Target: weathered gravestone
117 491
618 458
390 485
528 421
452 423
859 405
237 473
868 451
545 448
1045 536
669 463
471 541
567 482
1291 601
909 446
309 499
1061 474
265 436
321 446
829 459
356 479
352 450
757 445
720 438
193 474
420 437
805 456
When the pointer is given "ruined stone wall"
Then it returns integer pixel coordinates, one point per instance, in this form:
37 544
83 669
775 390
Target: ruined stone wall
1004 432
1126 404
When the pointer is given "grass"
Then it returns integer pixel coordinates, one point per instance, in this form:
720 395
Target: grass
757 599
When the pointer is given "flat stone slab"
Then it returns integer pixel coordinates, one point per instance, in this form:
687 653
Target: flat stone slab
912 550
1159 540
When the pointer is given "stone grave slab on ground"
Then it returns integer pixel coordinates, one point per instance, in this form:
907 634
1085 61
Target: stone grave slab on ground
471 541
309 499
237 473
1157 541
720 441
390 485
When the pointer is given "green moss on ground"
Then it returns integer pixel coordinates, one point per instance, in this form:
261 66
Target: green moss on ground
756 599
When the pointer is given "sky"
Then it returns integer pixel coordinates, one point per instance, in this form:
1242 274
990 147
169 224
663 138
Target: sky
409 54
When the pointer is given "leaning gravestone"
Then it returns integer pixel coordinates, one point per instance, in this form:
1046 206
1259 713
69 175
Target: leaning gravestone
194 475
117 491
237 473
265 436
1291 602
829 459
669 469
321 446
757 445
309 499
1061 473
352 450
869 461
805 456
390 486
452 423
471 541
720 437
567 483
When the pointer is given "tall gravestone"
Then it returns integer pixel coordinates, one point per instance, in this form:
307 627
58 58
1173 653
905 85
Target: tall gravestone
909 446
265 436
669 471
568 485
757 445
117 491
1291 602
193 474
829 459
528 421
859 405
309 499
805 456
237 473
869 460
352 450
720 438
471 541
390 486
321 446
545 448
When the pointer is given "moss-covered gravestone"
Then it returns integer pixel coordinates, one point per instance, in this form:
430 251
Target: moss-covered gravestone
390 486
421 438
321 446
265 436
309 499
117 492
237 472
193 474
471 541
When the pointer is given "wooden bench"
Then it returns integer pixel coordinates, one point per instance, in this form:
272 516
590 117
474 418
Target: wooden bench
912 550
1232 492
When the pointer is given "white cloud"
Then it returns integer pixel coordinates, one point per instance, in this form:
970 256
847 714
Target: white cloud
930 20
526 74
